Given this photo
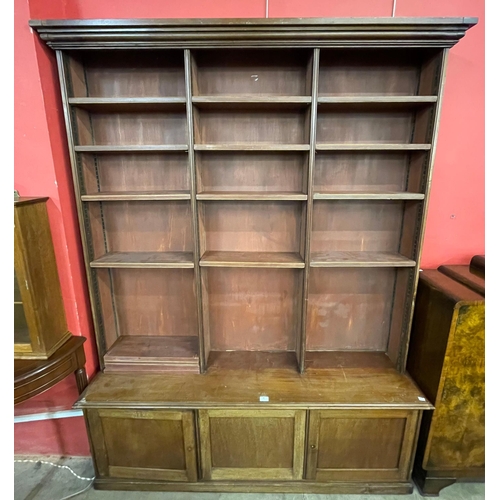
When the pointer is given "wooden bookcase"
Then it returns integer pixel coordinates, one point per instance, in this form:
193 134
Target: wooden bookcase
251 199
252 194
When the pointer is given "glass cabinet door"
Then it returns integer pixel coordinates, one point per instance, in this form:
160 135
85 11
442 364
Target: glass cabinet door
21 332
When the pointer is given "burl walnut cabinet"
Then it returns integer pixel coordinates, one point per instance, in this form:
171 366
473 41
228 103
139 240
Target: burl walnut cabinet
446 359
252 196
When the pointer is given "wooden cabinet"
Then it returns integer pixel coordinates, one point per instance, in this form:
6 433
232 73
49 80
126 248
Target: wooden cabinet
446 358
252 198
144 444
372 445
259 445
330 430
39 319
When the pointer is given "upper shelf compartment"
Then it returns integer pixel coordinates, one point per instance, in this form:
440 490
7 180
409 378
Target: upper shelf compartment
215 129
103 128
126 74
347 127
378 72
252 72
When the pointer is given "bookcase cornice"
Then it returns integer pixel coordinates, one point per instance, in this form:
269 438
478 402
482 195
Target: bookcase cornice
314 32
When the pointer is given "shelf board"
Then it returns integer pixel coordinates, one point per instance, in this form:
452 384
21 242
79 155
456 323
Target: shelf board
137 195
251 98
359 259
287 260
374 102
111 104
242 101
252 195
144 260
153 353
251 146
371 147
133 149
359 195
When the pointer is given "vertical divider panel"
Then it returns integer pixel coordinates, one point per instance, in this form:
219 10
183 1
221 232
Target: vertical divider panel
413 233
83 219
203 351
301 341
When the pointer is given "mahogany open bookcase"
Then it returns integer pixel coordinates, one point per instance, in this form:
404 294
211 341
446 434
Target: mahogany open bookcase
252 197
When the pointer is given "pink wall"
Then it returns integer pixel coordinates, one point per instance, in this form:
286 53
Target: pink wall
455 224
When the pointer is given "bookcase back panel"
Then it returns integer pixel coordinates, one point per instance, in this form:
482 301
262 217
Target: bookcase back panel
418 172
242 171
370 72
371 226
370 172
125 129
127 73
141 226
349 309
156 302
365 127
423 127
253 309
242 71
246 126
251 226
134 172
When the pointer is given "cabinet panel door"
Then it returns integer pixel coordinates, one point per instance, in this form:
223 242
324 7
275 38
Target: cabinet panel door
144 444
364 445
252 444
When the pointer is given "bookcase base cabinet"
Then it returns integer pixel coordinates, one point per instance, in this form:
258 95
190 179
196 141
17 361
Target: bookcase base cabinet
275 450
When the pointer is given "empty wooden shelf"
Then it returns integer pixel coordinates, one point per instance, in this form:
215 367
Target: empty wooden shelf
128 103
144 259
252 259
359 259
251 146
367 195
354 146
131 149
252 198
251 195
136 195
152 353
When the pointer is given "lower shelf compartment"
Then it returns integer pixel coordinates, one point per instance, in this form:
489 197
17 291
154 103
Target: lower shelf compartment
347 359
153 354
251 360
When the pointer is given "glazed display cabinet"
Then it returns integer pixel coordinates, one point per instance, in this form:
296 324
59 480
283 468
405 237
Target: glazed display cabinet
40 326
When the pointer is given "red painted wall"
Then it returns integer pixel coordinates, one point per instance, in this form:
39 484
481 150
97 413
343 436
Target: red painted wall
455 224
